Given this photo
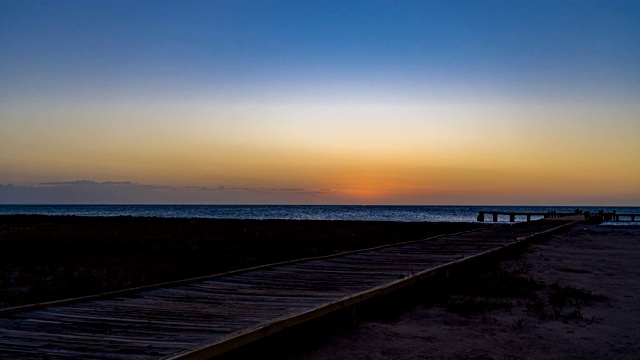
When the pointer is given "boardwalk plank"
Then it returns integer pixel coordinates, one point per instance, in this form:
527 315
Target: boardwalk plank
216 314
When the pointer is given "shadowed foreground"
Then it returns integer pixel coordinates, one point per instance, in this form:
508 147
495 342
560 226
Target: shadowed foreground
45 258
573 296
213 315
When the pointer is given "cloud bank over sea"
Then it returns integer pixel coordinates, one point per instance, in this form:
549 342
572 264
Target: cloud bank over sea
126 192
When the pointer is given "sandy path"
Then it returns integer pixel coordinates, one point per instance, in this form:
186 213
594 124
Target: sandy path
565 317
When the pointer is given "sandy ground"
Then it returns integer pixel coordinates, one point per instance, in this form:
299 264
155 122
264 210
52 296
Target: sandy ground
583 303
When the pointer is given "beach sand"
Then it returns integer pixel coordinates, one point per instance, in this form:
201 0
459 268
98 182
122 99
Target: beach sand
575 295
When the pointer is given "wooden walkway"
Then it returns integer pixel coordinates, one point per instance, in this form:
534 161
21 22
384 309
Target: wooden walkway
208 316
512 215
605 216
619 217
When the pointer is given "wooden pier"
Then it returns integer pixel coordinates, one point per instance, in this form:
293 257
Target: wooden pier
619 217
605 216
512 215
204 317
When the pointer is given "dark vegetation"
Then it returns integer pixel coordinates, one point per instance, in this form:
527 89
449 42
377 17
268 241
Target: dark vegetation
497 286
45 258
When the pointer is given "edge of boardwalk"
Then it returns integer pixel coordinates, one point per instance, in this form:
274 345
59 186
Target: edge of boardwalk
247 336
48 304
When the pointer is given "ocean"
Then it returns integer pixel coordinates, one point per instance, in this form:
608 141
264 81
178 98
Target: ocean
300 212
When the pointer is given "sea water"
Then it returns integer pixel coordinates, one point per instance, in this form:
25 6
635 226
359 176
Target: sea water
301 212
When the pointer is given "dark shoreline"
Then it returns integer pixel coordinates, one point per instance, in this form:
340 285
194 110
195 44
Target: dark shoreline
45 258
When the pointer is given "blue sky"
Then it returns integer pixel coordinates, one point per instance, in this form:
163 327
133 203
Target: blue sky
394 101
110 46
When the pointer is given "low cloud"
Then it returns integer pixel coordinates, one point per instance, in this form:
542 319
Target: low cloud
86 183
126 192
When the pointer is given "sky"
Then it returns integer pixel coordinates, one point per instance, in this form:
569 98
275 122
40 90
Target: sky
320 102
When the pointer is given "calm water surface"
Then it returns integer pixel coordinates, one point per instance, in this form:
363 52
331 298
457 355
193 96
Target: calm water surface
296 212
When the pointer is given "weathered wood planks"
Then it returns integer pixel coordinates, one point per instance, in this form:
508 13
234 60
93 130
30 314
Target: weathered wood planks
210 315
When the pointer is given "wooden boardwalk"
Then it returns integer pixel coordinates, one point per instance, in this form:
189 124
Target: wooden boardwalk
512 215
208 316
619 217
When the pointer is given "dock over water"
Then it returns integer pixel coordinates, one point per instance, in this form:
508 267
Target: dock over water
528 215
604 216
201 318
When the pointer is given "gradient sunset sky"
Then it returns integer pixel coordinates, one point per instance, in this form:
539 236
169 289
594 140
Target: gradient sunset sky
320 102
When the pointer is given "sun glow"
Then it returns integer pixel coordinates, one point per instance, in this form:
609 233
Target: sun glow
316 104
